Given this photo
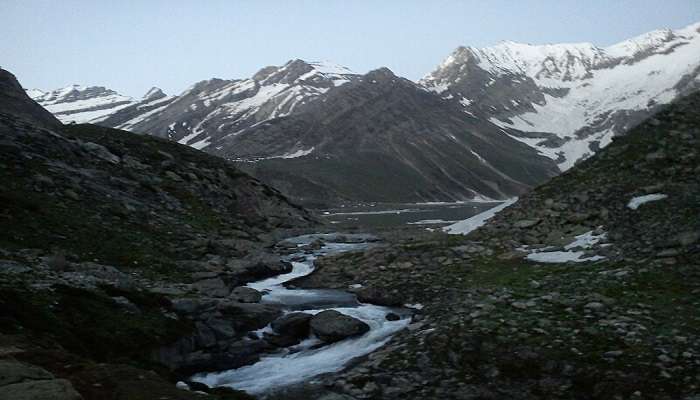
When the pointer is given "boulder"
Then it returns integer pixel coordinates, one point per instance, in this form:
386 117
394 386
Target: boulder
380 297
15 372
249 316
214 287
332 326
54 389
392 317
244 294
293 324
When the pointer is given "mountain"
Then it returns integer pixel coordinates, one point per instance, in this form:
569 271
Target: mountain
569 100
119 179
102 233
385 138
585 288
80 104
209 112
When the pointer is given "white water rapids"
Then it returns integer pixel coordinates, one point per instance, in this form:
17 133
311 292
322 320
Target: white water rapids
298 363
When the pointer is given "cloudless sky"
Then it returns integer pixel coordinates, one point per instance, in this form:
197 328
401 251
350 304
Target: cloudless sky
131 45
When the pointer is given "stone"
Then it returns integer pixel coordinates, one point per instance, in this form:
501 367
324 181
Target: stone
526 223
594 306
249 316
245 294
687 238
214 287
15 372
380 297
293 324
204 335
71 194
54 389
613 354
172 175
392 317
332 326
223 329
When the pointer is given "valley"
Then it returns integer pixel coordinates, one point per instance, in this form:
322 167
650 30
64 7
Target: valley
521 223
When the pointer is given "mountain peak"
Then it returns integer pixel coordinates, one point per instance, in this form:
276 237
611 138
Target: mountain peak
16 102
154 93
381 74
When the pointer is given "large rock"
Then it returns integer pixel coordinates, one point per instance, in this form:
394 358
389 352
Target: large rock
332 326
293 324
54 389
249 316
244 294
16 372
380 297
214 287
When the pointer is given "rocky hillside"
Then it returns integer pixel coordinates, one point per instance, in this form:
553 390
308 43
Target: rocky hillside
384 138
586 288
569 100
104 234
16 103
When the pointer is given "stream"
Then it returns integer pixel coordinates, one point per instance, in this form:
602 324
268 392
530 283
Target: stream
299 363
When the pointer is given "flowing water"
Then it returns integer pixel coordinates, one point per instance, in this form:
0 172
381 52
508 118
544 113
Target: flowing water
306 360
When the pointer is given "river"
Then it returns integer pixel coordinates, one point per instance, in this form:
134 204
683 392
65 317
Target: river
299 363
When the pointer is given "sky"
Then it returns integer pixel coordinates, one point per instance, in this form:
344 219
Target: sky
132 45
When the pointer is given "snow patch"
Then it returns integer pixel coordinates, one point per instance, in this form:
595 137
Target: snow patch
636 202
468 225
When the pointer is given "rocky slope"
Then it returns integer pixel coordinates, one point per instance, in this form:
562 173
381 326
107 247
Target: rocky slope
569 100
120 254
500 320
384 138
208 113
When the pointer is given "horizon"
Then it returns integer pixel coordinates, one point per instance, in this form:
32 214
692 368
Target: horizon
82 56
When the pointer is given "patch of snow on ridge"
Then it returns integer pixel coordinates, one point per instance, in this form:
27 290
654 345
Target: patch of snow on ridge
430 222
468 225
586 240
298 153
583 241
562 257
635 202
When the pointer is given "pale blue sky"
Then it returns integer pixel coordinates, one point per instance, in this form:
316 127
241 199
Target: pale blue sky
131 45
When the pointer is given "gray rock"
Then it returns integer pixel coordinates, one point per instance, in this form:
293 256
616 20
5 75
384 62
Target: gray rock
214 287
249 316
245 294
16 372
526 223
223 329
55 389
380 297
332 326
293 324
687 238
595 306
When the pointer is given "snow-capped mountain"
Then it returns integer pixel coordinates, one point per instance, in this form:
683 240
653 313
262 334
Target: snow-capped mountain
385 138
568 100
209 112
80 104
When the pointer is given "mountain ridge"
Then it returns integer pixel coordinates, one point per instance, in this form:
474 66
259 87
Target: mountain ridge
568 100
